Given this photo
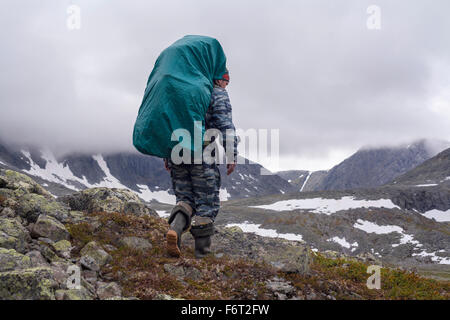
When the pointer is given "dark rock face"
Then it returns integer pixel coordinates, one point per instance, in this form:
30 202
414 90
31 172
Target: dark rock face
84 165
133 170
247 181
375 167
433 171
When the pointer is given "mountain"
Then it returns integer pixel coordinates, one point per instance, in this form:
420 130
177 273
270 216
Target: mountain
303 180
145 175
434 171
372 167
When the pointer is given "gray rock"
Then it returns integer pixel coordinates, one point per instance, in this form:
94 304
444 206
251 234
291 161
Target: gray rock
8 213
63 248
136 243
49 227
177 271
183 272
108 290
93 256
73 294
37 260
32 283
32 205
280 288
10 259
15 180
13 235
106 200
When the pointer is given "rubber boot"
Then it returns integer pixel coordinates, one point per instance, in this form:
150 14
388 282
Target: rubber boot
174 235
202 246
179 221
202 229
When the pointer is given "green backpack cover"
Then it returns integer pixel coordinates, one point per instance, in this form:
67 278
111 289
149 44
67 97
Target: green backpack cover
178 93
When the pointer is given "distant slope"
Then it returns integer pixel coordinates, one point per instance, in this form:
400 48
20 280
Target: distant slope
372 167
143 174
434 171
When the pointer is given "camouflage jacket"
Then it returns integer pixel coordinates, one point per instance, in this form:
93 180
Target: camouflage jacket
218 116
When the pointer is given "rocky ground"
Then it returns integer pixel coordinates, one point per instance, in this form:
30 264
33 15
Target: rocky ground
117 243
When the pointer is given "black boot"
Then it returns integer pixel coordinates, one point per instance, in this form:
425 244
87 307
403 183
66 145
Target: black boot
202 246
179 222
202 229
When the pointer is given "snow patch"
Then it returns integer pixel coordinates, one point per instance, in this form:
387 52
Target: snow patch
224 194
344 243
327 206
370 227
163 213
434 257
426 185
161 196
270 233
438 215
109 181
306 180
53 171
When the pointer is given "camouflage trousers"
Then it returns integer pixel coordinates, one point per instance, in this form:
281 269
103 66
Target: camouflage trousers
198 185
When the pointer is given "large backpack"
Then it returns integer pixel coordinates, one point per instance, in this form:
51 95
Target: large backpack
178 93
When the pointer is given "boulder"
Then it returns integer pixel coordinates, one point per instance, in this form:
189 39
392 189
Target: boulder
183 272
10 259
31 206
27 284
108 290
293 259
63 248
13 235
8 213
37 260
107 200
73 294
136 243
49 227
280 288
93 257
14 180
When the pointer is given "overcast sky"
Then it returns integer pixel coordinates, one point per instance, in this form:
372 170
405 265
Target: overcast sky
312 69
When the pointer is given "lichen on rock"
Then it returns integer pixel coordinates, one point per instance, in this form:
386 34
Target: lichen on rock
10 259
107 200
13 235
49 227
32 283
93 257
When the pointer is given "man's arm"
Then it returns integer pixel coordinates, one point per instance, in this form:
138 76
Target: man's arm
219 116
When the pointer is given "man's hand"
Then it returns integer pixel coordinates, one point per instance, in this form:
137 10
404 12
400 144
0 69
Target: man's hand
166 165
230 168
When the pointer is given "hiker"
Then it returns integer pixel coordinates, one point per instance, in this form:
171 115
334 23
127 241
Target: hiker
196 186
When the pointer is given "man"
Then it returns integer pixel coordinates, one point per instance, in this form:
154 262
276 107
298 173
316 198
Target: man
197 186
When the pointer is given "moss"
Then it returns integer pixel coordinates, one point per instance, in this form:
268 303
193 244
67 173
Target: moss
346 279
62 246
81 233
33 283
